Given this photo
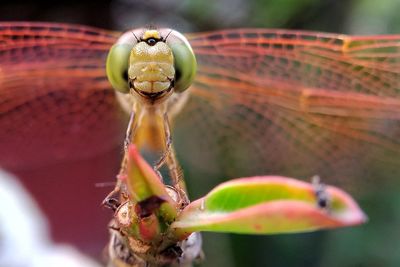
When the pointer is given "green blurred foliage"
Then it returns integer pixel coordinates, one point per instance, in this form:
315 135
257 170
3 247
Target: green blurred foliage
373 17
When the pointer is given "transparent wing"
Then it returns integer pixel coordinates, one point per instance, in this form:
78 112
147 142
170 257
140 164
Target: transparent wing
293 103
55 100
264 101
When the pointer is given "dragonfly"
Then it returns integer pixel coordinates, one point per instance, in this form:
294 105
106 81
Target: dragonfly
263 101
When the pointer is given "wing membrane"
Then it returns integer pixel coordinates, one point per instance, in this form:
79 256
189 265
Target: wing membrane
56 103
264 101
295 103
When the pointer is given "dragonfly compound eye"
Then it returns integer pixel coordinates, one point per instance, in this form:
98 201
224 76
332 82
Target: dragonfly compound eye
117 66
184 60
118 61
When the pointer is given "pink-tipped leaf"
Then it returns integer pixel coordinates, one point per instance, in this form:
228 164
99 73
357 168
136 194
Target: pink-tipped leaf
143 184
268 205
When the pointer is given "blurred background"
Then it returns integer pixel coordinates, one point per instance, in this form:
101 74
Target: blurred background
71 200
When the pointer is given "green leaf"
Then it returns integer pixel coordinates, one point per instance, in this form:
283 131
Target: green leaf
267 205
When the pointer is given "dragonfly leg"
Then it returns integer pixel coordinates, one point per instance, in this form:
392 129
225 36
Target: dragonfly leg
176 174
174 168
168 144
130 132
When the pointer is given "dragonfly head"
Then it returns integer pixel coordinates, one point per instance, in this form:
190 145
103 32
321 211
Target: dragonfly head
151 63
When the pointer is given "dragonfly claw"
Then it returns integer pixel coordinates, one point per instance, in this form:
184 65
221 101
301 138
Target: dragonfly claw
112 200
322 196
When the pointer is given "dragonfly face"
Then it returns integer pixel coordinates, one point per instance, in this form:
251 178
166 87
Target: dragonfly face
151 63
151 69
